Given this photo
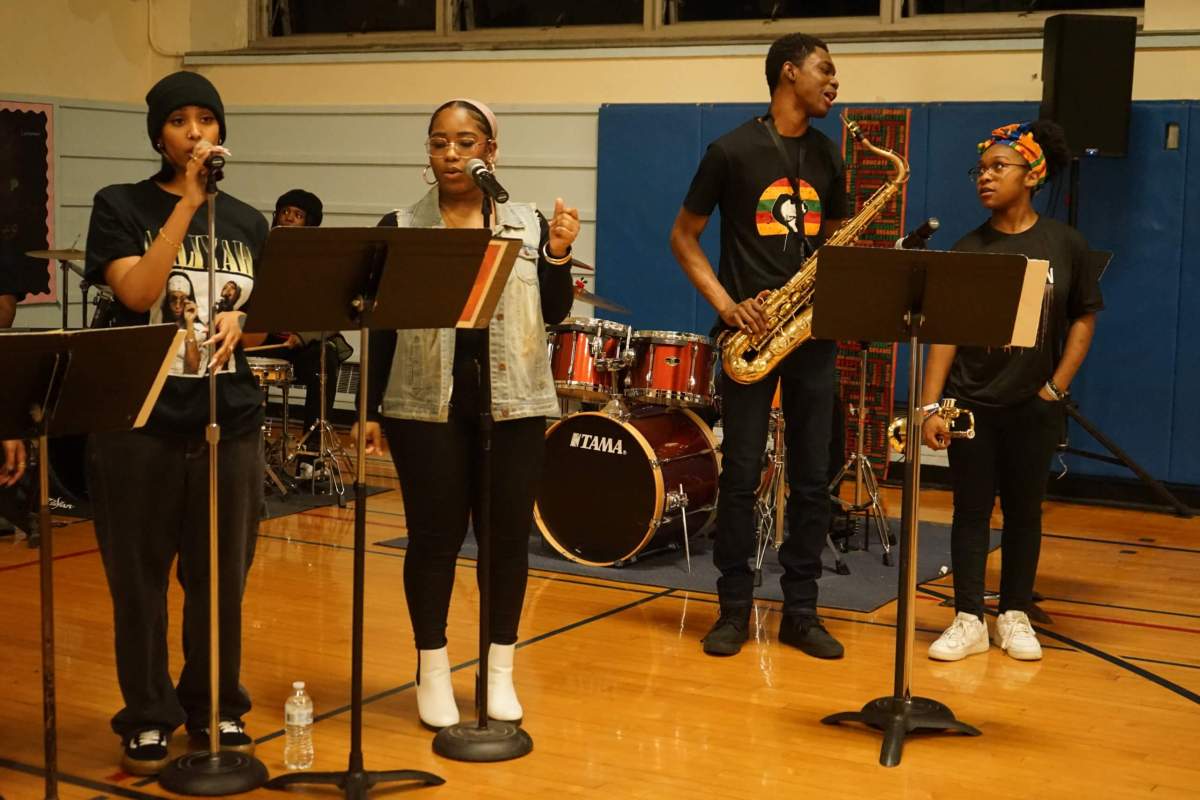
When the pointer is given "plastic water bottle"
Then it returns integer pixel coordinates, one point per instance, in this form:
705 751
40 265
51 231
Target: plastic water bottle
298 722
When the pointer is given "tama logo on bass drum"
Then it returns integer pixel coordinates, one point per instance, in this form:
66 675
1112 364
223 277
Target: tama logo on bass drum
601 444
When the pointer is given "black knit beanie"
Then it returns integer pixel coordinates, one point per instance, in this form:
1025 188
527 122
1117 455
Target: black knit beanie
308 202
177 90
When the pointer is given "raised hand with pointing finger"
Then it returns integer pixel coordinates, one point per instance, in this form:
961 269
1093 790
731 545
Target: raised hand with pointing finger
564 227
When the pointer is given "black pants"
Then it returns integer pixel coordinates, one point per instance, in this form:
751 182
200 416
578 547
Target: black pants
150 496
306 365
1010 453
807 378
437 463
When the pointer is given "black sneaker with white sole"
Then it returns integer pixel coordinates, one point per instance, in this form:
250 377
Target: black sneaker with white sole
233 736
145 752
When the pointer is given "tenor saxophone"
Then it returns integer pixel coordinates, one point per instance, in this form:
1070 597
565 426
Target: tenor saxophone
748 358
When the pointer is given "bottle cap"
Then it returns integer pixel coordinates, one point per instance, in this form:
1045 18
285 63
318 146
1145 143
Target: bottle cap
297 684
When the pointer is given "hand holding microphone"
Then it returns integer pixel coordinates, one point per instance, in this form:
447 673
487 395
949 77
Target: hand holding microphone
211 158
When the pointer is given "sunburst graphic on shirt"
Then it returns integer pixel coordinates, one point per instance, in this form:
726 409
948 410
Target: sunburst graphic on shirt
777 210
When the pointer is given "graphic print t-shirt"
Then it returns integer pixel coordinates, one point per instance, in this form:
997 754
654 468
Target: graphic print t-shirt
766 230
1003 376
125 220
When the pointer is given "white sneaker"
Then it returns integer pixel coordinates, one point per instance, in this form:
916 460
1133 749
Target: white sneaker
435 693
1015 636
502 696
966 636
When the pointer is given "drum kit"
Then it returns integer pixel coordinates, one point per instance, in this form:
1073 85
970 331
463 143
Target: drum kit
653 458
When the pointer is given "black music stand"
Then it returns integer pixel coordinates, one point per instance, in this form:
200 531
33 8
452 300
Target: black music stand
68 383
921 296
370 278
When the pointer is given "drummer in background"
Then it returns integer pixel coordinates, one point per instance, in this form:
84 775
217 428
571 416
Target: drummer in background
429 393
298 208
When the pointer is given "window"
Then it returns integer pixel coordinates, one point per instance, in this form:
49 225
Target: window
917 7
709 10
549 13
554 23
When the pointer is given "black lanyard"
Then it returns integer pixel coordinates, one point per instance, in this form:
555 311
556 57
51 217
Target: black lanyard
793 176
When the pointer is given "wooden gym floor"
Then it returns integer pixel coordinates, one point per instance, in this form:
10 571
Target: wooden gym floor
621 702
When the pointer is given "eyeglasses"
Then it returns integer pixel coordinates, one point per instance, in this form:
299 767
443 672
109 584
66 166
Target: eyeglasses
439 146
982 170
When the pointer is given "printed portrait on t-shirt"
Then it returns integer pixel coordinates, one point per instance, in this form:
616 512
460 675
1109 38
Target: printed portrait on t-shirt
185 301
780 213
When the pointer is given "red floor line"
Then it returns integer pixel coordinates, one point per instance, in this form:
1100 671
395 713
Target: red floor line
56 558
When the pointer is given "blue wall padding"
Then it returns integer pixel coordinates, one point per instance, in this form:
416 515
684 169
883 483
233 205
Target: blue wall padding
1141 382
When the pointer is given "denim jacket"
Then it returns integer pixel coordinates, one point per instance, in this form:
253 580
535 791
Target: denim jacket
420 381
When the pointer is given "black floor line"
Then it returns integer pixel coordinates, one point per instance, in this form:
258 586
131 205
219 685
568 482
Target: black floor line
1119 543
75 780
1161 661
1117 661
472 662
1091 603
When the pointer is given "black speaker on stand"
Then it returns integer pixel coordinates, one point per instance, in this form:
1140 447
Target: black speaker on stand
1087 88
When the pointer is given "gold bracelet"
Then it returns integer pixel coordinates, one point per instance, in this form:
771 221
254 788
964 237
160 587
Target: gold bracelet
168 239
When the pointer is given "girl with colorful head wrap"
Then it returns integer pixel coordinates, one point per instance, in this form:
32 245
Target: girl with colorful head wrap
1016 394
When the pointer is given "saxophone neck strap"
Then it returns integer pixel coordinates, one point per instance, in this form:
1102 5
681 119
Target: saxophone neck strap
793 173
793 176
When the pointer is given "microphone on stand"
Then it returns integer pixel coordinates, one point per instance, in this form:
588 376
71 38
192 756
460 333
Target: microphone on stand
485 179
919 238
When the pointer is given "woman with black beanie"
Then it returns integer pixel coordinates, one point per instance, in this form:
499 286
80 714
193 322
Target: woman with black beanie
150 486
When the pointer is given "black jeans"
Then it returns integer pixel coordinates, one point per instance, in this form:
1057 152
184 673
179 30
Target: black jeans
438 467
306 364
807 378
1010 453
150 496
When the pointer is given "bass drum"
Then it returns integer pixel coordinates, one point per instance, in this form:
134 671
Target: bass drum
611 488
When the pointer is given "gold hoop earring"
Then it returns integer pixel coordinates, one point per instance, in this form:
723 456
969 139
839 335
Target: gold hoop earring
425 176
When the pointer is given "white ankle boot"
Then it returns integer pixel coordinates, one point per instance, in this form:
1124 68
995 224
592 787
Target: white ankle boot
435 693
502 697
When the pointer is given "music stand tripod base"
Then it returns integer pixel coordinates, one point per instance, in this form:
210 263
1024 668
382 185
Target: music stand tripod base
499 741
213 774
354 783
898 717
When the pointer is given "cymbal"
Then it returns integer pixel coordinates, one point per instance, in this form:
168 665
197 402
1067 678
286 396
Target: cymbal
58 255
599 302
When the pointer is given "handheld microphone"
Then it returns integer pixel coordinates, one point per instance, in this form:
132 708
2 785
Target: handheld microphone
214 162
919 238
485 179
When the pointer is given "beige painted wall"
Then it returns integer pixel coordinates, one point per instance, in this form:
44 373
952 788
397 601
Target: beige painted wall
92 49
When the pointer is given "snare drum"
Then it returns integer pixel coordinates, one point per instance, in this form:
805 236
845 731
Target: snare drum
673 369
270 371
612 487
572 345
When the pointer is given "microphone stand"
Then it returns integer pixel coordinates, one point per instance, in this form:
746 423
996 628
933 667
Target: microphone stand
486 740
215 771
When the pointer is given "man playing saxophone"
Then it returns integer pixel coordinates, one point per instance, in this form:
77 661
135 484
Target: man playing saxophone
780 186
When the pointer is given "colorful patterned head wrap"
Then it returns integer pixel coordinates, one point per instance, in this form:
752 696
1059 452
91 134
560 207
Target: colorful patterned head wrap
1020 138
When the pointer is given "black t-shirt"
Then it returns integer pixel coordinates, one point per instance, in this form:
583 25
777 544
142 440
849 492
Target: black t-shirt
765 233
1001 376
125 220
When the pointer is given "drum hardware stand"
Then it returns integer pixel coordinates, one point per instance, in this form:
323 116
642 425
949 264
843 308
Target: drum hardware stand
277 452
864 476
616 406
679 500
769 518
329 452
